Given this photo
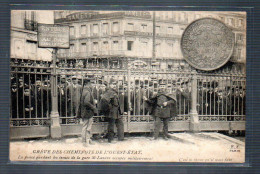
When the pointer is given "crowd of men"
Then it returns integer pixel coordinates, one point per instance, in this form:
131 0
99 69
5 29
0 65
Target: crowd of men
85 98
161 105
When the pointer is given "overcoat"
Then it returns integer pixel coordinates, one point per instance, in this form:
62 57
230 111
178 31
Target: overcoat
110 104
156 107
87 106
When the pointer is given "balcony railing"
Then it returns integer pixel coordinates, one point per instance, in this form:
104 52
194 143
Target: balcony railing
90 54
137 33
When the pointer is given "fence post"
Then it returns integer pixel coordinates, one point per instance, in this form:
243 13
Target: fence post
194 119
128 94
55 121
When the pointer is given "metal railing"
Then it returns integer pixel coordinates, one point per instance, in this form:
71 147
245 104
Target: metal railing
220 94
30 93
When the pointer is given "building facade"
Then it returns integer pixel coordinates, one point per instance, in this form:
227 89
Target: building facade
24 44
129 34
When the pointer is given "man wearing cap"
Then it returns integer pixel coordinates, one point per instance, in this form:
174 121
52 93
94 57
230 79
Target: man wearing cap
112 109
86 112
160 109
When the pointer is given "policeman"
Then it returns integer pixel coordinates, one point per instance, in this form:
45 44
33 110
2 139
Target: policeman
160 109
112 109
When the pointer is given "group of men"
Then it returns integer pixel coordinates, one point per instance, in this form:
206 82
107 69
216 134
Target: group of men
161 106
30 100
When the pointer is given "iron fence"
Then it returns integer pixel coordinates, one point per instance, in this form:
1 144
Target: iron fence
220 94
30 93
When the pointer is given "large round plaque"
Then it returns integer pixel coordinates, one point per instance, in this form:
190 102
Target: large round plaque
207 44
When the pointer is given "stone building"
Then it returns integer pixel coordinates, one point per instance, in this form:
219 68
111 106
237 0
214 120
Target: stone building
119 35
24 35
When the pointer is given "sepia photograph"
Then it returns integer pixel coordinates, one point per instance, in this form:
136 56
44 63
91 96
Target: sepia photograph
128 86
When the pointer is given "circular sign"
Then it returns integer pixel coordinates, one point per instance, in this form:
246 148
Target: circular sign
207 44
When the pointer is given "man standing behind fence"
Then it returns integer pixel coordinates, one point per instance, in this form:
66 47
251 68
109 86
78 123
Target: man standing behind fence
87 111
74 96
160 108
110 106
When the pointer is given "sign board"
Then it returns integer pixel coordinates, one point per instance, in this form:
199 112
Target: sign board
53 36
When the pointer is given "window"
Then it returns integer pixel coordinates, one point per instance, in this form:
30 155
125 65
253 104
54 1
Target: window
115 27
83 29
238 54
230 21
105 46
72 48
95 29
176 29
83 47
144 45
32 46
239 37
158 29
115 45
170 30
143 27
105 28
181 30
130 45
30 21
171 48
72 31
240 23
130 27
95 46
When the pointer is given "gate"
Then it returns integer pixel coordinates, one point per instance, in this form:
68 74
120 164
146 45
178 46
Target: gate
220 97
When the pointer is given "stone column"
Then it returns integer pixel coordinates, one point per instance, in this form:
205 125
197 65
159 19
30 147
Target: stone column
194 119
55 120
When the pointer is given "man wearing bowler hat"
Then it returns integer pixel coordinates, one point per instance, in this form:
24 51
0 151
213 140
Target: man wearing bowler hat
112 109
87 109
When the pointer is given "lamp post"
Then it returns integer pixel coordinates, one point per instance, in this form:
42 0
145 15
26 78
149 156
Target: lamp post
55 122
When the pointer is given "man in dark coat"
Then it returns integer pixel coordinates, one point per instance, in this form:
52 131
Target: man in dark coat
86 112
74 96
160 109
112 109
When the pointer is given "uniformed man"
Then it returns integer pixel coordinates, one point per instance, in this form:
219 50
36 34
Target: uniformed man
112 109
86 112
160 109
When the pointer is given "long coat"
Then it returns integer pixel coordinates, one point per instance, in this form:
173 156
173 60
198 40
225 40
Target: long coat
87 106
73 91
156 107
110 104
